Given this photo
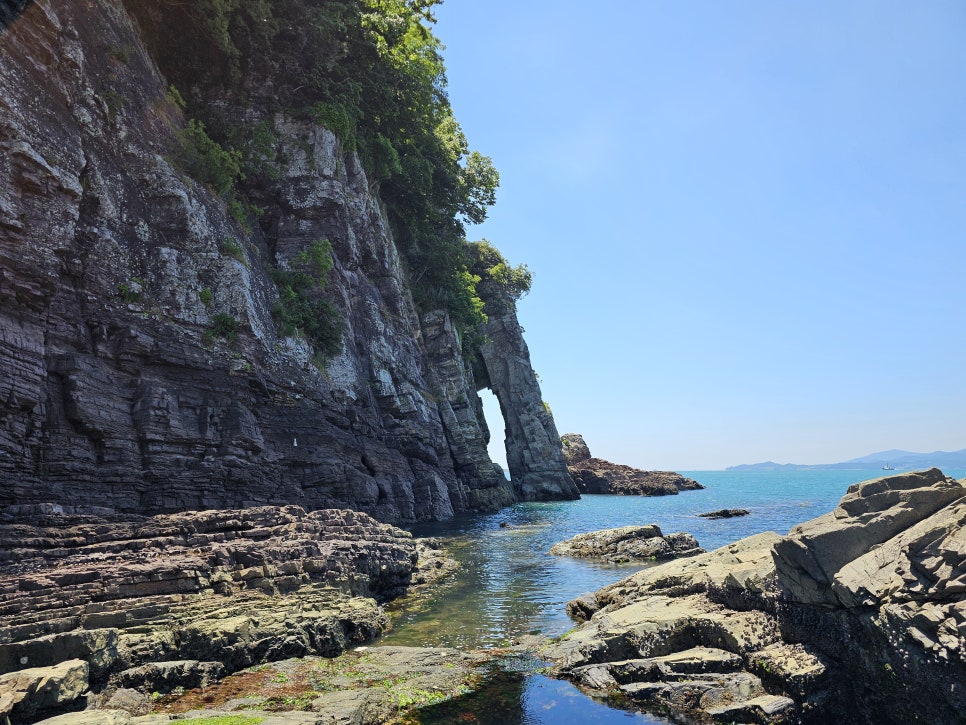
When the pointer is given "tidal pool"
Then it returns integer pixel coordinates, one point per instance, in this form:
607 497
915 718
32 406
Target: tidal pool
509 586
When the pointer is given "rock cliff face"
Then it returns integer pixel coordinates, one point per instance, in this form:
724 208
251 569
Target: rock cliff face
855 617
534 455
140 365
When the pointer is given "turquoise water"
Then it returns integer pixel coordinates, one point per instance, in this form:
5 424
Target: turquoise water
510 586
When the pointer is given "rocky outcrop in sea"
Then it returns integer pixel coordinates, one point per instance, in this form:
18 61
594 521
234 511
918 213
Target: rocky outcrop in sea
628 544
857 616
595 475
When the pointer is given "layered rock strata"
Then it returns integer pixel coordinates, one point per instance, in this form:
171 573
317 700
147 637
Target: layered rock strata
179 600
140 362
537 466
854 617
595 475
628 544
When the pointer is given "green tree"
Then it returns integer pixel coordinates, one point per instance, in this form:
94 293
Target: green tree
371 71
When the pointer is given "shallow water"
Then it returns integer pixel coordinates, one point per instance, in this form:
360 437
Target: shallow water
510 586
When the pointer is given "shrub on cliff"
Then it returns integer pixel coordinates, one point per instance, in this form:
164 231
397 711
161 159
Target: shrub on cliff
500 283
369 70
301 309
204 159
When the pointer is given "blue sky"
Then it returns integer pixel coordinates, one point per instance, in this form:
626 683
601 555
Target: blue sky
745 220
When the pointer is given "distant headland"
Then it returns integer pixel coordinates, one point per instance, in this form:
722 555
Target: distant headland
893 460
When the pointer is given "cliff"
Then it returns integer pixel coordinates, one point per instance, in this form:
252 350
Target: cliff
141 366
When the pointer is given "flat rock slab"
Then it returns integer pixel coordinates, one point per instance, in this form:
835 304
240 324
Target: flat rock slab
871 599
365 686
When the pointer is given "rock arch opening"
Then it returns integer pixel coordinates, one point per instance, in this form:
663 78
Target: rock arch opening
496 424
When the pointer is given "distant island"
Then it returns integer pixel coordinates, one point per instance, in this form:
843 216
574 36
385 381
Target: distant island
888 460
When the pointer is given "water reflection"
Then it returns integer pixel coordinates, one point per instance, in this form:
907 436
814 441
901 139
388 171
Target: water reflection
528 699
510 586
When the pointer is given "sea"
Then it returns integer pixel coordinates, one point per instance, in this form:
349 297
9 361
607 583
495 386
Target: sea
508 586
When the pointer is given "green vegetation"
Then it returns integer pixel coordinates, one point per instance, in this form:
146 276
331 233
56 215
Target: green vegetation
204 159
224 326
113 101
225 720
230 248
369 70
301 309
421 698
205 296
122 54
131 291
500 284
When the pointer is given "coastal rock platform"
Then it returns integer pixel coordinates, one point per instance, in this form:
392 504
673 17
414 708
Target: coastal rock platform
858 616
91 603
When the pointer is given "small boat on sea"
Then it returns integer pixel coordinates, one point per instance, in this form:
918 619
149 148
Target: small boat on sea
887 467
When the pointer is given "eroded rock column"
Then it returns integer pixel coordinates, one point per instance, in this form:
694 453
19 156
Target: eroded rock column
537 467
482 485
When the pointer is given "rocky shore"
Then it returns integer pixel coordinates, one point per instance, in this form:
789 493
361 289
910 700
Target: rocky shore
595 475
857 616
90 603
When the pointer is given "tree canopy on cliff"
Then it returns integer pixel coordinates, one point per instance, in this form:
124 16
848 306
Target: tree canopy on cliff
372 72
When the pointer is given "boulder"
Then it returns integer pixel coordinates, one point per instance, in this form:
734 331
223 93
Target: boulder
869 515
163 677
36 689
575 448
628 544
97 646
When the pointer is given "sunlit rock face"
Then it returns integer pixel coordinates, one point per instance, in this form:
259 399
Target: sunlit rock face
534 456
854 617
140 364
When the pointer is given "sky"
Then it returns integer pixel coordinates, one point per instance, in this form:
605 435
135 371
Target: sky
745 220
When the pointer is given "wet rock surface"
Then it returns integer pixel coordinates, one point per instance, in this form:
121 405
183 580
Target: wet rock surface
366 686
725 514
854 617
628 544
